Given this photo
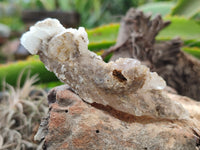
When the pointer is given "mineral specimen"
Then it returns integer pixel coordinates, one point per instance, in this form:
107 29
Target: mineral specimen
125 84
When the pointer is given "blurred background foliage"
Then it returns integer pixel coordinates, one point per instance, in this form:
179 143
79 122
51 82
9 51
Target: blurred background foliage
95 12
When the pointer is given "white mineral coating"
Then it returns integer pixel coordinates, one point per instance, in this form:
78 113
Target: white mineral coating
125 84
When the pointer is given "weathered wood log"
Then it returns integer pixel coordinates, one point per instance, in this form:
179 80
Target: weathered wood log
136 39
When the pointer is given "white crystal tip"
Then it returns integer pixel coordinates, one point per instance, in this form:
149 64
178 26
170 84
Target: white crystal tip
38 36
41 31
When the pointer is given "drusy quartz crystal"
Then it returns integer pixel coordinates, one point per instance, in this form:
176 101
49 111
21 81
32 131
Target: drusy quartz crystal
126 84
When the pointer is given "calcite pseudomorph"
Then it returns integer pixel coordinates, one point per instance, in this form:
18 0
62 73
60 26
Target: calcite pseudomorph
125 84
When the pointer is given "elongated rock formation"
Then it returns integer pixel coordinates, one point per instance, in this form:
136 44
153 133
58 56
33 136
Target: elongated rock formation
124 85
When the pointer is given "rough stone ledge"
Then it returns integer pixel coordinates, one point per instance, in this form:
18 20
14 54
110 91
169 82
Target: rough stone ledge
73 124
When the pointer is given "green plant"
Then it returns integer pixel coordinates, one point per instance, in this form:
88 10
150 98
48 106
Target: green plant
97 12
195 51
14 22
35 4
102 37
187 8
10 15
162 8
188 30
20 112
10 72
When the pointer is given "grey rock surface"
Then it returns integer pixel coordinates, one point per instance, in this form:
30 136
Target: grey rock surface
4 31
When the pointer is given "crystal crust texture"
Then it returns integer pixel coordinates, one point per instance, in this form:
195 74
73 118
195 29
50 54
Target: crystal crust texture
124 84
